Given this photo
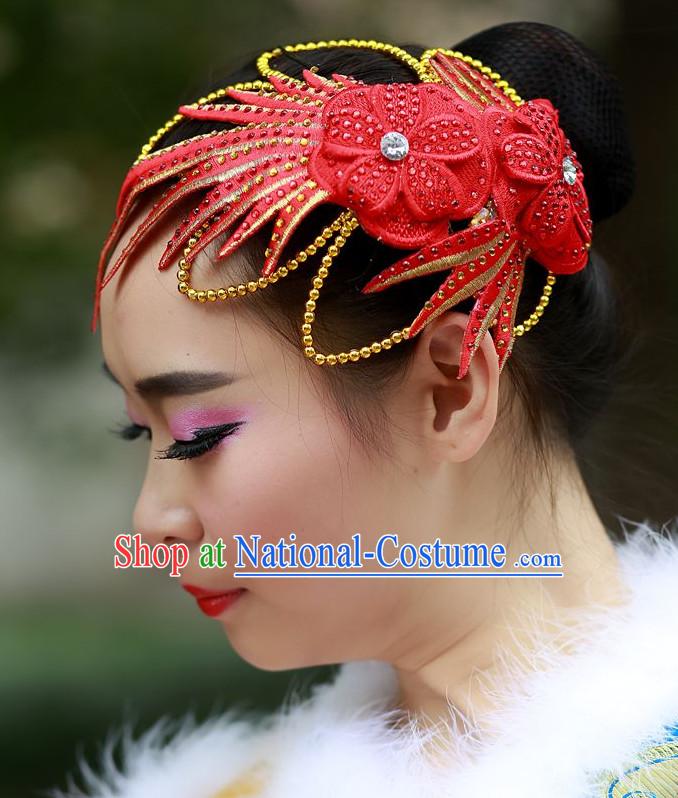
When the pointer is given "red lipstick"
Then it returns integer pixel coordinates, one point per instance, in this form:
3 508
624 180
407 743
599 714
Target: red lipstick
214 602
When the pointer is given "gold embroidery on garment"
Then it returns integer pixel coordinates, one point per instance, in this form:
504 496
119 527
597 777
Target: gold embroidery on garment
250 783
654 775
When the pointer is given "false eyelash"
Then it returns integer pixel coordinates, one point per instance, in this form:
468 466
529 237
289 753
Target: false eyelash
204 440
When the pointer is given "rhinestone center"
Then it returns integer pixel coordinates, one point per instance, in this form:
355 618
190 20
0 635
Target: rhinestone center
569 171
394 146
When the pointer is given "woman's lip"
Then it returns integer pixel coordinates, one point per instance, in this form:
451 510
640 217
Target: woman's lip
214 602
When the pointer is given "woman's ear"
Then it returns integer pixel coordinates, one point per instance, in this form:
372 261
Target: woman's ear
453 417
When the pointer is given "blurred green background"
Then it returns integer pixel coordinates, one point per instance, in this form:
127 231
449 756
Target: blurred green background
83 85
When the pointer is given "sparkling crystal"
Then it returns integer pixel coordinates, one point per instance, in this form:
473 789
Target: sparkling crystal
569 171
394 146
485 214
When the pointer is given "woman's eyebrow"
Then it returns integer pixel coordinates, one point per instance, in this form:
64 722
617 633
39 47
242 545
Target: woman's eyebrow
176 383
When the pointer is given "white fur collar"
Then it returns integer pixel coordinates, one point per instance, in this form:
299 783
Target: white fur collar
573 718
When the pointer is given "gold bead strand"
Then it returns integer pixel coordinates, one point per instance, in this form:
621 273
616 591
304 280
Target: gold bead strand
421 70
241 289
534 317
349 222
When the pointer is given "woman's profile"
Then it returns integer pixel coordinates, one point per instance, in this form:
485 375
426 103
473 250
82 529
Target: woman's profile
354 288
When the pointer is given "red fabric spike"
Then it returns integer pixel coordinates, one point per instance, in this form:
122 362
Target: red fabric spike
217 200
164 164
296 208
264 208
463 283
230 206
318 81
346 80
283 85
245 114
506 316
483 314
201 177
452 252
470 84
232 173
245 97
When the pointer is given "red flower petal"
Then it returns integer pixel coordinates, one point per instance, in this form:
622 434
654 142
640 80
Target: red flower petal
527 157
430 189
450 137
549 214
397 228
541 118
397 105
371 184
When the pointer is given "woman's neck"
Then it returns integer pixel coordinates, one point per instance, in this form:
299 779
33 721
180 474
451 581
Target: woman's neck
444 684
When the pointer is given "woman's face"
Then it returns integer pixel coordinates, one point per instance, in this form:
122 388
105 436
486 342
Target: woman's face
292 465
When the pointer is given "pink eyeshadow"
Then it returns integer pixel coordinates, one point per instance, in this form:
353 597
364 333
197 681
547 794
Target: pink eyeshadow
183 424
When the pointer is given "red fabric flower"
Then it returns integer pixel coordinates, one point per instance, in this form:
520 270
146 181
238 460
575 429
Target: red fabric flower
537 158
405 157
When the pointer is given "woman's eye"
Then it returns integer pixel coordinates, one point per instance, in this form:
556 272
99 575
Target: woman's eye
203 440
130 432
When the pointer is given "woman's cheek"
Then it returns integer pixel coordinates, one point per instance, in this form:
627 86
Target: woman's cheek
274 482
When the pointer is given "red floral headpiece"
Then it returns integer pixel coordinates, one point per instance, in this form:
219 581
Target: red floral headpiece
403 160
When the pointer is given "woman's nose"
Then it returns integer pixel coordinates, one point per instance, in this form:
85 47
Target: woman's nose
163 512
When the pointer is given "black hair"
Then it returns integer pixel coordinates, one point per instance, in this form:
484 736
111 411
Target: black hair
563 370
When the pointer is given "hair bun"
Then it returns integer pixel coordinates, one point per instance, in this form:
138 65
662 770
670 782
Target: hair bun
540 60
